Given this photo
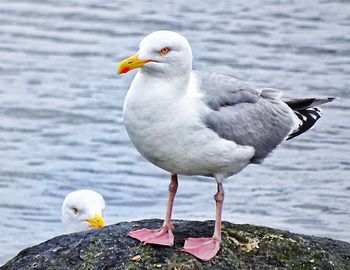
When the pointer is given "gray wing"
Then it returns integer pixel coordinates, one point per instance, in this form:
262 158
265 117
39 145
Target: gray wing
245 115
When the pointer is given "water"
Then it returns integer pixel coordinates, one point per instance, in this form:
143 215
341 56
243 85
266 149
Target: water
61 112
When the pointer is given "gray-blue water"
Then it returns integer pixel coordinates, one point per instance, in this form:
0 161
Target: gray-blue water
61 112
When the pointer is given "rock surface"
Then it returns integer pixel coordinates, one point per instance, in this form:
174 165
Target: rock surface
243 247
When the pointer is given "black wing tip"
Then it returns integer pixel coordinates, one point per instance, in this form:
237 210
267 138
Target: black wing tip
306 103
308 118
330 99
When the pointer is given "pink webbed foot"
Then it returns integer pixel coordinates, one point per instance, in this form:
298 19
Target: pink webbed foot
203 248
163 236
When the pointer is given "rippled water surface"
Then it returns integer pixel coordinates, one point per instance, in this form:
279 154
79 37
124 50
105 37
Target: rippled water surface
61 112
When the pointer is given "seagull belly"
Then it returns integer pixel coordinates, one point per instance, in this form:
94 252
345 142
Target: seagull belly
171 135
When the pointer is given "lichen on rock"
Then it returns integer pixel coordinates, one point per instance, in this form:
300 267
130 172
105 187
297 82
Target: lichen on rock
243 247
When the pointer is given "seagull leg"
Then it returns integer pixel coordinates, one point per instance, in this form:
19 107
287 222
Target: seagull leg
164 235
206 248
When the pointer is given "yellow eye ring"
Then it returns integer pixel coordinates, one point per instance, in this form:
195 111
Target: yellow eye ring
75 210
164 51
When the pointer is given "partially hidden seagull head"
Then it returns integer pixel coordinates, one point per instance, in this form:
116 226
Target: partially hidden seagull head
161 54
82 210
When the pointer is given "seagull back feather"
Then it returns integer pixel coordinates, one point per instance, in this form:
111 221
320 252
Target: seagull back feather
244 115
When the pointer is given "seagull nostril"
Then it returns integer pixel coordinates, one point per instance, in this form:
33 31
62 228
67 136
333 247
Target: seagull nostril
130 62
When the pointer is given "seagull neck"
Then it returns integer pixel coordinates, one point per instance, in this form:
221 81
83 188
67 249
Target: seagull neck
176 83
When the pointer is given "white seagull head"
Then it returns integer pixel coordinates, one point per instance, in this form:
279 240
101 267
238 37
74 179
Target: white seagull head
161 54
82 210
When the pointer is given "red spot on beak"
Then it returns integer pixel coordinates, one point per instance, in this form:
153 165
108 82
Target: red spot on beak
124 70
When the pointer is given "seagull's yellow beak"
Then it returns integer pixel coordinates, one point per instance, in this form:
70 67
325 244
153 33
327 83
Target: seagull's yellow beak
131 63
97 221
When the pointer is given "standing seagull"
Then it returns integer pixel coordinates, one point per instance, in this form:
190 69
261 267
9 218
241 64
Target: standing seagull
193 123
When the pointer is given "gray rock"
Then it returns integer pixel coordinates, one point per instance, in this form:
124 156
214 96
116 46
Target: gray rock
243 247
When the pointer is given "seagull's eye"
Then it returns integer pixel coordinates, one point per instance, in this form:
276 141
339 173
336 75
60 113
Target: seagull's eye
75 210
164 51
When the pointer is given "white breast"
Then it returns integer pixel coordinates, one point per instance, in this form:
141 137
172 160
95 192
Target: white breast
164 124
